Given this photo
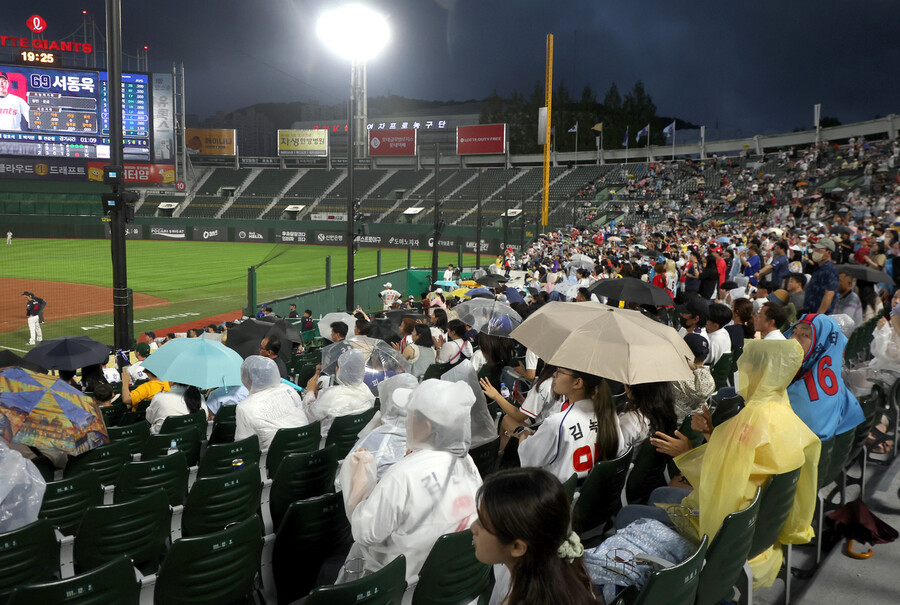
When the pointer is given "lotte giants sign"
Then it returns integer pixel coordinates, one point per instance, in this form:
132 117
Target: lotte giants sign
483 139
400 141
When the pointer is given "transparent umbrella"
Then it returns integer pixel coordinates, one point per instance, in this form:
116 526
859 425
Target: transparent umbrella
330 318
382 360
488 316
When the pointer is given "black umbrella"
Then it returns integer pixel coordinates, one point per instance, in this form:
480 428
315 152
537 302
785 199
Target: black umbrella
855 521
492 280
630 289
68 353
865 273
246 337
8 359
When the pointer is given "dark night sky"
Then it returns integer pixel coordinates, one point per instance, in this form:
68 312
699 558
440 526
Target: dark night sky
758 66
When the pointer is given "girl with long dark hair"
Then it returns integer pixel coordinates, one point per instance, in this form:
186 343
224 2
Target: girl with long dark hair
650 408
583 433
523 530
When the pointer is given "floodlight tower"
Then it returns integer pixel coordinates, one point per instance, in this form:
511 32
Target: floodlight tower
356 33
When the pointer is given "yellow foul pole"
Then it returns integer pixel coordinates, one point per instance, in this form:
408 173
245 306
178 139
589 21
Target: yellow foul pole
548 103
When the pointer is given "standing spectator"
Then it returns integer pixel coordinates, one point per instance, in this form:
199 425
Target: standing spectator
778 267
448 273
293 313
795 284
751 264
719 339
821 290
388 296
32 312
848 301
307 322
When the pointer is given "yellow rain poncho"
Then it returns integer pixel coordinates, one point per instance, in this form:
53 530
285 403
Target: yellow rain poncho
766 438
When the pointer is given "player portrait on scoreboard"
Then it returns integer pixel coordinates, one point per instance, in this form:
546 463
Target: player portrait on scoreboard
14 111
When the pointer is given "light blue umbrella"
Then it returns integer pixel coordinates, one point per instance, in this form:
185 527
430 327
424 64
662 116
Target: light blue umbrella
197 362
446 284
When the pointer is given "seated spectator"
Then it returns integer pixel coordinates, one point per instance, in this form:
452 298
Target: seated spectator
782 298
224 396
690 395
270 347
818 394
178 400
385 436
426 494
103 394
650 408
420 353
769 320
349 396
306 323
765 438
270 405
362 327
91 376
143 392
585 432
136 370
540 403
339 331
523 531
742 316
454 349
694 314
719 339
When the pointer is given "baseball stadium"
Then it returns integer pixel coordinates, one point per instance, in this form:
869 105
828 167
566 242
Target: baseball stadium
436 352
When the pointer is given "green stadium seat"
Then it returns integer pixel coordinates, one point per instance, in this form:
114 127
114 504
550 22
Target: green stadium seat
113 582
451 574
169 473
297 440
384 587
301 476
310 532
211 569
344 431
138 529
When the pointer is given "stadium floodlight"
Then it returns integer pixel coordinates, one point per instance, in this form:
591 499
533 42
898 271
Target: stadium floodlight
356 33
353 31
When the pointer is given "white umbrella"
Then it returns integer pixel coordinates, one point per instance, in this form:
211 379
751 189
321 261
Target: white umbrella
618 344
330 318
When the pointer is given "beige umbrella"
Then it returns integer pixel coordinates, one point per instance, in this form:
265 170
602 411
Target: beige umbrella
618 344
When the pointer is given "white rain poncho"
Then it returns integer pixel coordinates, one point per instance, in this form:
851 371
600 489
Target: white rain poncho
271 405
387 441
430 492
484 427
21 490
349 396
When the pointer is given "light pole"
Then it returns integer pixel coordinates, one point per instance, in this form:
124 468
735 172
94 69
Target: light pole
356 33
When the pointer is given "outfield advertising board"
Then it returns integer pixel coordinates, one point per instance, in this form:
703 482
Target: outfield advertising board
293 236
131 231
251 234
330 238
168 233
211 234
210 141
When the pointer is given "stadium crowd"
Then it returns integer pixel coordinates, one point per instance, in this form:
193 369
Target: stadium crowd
764 274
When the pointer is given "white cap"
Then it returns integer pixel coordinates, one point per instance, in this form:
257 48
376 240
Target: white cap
439 291
388 285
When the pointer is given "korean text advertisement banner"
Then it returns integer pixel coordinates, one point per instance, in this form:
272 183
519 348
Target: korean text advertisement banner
401 141
208 141
303 143
483 139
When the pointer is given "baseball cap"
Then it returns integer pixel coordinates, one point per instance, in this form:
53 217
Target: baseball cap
825 242
694 306
411 298
388 285
143 348
4 76
780 297
698 344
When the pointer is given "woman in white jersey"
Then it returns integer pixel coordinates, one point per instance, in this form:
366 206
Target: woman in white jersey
585 432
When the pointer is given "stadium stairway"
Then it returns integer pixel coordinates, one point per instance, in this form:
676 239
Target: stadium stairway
204 176
240 189
277 198
324 195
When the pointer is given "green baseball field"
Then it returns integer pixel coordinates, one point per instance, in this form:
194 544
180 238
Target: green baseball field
173 282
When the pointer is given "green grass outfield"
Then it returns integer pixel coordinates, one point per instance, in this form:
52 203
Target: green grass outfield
208 278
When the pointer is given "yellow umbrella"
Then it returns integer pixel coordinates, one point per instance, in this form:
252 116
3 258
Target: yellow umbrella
618 344
460 292
469 283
